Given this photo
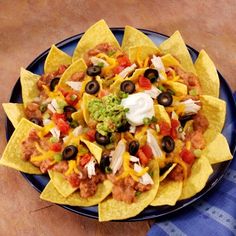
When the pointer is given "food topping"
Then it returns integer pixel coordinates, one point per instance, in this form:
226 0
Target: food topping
140 106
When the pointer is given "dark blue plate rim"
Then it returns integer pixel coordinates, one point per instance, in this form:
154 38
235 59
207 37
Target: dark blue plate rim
166 210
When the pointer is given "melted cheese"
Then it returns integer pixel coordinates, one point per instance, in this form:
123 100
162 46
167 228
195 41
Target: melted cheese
72 168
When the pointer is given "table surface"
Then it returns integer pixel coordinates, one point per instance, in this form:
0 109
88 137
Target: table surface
29 27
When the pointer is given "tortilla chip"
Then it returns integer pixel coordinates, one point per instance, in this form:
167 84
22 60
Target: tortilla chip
167 172
78 116
14 111
112 209
55 59
133 38
175 45
29 87
94 149
12 156
168 193
96 34
61 184
179 88
218 150
115 87
51 194
136 74
76 66
142 52
168 61
161 114
215 111
207 74
86 99
200 172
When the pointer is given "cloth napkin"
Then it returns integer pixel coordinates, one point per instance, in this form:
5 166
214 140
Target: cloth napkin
214 214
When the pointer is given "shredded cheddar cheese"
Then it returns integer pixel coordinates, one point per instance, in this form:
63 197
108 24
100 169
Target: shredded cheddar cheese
129 171
53 94
188 145
72 168
46 129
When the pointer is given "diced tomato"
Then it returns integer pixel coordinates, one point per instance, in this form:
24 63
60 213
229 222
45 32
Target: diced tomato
142 157
124 61
57 116
63 91
63 126
118 69
187 156
91 135
174 125
164 128
72 98
147 151
85 159
144 83
56 147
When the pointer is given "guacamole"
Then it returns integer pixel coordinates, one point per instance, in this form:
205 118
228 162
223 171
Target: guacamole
108 112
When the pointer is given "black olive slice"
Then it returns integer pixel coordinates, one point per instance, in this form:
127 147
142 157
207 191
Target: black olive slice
123 128
94 70
168 144
185 118
165 168
101 139
92 87
165 99
36 121
69 152
127 86
105 162
68 110
133 147
53 83
151 74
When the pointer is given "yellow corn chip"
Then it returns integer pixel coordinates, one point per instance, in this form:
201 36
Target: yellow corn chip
51 194
14 111
77 66
207 74
175 45
200 172
133 38
218 150
29 86
94 149
96 34
61 184
215 110
12 156
168 193
55 59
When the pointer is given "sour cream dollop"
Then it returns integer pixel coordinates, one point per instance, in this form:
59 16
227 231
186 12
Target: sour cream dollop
140 106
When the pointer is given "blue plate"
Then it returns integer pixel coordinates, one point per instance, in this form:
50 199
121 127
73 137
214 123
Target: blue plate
40 181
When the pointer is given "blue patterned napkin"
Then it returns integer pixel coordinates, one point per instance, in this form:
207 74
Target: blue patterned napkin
214 214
